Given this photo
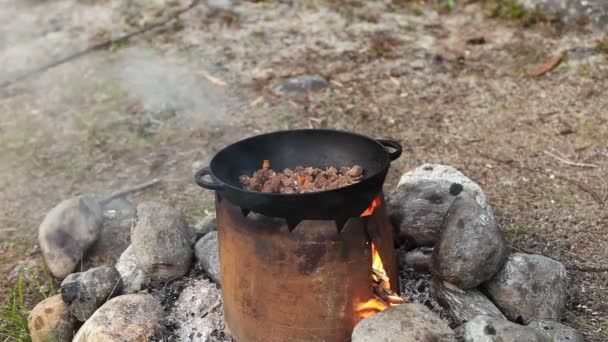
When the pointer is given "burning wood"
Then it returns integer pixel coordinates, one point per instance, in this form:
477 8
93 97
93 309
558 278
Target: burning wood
381 286
301 179
380 275
387 295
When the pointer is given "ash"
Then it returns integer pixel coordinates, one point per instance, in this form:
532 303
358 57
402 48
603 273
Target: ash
182 322
417 287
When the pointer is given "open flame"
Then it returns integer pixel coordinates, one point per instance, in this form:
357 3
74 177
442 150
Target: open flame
370 210
384 297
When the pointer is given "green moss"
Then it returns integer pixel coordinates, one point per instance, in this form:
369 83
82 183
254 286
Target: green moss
229 53
258 34
120 44
416 10
515 233
602 45
513 10
178 25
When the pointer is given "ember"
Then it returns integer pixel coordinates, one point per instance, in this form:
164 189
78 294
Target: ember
301 179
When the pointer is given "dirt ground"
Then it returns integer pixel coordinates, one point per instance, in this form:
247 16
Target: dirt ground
160 105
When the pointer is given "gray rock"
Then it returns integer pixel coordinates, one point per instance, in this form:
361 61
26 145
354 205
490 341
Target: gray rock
208 254
420 202
572 10
115 233
403 323
557 332
220 4
50 320
490 329
302 85
198 312
86 291
419 259
463 305
67 231
529 287
133 278
449 174
472 248
418 210
132 317
418 64
161 241
205 226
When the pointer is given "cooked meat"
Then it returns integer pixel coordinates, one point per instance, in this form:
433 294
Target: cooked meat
301 179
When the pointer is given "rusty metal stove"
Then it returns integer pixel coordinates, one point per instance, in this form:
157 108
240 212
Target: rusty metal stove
302 279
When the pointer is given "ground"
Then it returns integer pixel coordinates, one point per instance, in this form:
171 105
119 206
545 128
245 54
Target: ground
160 105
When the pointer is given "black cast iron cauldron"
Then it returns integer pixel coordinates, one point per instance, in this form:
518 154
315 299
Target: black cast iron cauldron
305 147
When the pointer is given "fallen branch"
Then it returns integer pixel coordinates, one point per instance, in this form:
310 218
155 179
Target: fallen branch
567 161
130 190
511 163
101 46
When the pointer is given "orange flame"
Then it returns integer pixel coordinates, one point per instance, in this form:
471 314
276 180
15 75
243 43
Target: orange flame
370 210
371 307
266 164
378 268
384 297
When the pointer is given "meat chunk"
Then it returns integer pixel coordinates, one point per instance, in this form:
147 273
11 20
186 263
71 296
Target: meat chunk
301 179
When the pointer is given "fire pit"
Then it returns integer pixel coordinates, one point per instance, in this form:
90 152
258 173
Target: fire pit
306 266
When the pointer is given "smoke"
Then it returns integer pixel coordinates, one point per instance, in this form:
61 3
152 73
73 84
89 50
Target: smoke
37 32
162 83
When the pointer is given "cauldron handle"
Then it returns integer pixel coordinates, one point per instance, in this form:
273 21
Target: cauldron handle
198 178
394 145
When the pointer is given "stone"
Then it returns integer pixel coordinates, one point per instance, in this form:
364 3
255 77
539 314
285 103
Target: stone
86 291
302 85
133 278
67 231
418 64
572 11
419 259
472 248
463 305
490 329
198 312
418 210
207 252
131 317
205 226
403 323
446 173
529 287
420 202
50 320
161 241
220 4
115 233
557 332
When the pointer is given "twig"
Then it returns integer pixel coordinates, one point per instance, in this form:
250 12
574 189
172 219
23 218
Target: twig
100 46
596 197
549 65
130 190
567 161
